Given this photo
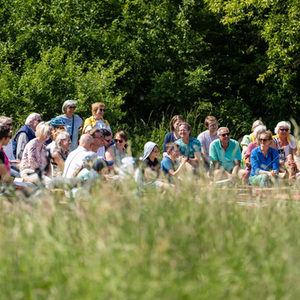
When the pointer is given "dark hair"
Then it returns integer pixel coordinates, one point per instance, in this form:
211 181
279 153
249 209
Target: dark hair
171 147
105 132
93 132
122 134
4 131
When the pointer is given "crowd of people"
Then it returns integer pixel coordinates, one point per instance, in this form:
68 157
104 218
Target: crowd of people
66 147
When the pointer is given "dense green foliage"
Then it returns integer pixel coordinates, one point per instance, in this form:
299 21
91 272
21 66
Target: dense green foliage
237 60
194 242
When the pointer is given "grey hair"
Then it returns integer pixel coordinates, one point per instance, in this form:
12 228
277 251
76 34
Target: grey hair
259 129
257 123
222 128
4 119
66 104
282 124
31 118
61 136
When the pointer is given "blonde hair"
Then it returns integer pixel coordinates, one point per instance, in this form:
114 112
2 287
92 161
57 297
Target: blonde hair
97 105
43 129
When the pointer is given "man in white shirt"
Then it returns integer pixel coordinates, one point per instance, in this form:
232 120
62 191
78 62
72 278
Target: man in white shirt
208 136
98 142
75 159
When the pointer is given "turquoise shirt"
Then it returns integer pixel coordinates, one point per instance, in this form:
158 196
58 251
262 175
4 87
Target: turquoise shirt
225 158
189 149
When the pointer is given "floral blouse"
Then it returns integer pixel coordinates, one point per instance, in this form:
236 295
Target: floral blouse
34 156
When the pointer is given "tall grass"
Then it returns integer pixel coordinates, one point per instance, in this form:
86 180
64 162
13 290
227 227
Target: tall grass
188 242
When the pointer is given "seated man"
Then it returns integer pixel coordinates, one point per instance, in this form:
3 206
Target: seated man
74 161
225 155
25 134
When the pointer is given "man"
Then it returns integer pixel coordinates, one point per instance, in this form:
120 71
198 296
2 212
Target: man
98 142
207 137
75 159
25 134
107 138
225 155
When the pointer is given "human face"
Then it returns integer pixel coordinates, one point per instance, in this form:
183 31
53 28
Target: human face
283 132
70 110
35 123
224 136
184 133
176 153
176 124
120 143
66 143
99 113
264 141
9 123
107 141
154 153
98 139
212 126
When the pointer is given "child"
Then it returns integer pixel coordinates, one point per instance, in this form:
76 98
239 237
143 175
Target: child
168 163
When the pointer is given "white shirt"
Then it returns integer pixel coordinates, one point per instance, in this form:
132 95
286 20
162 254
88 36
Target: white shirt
101 152
75 160
205 139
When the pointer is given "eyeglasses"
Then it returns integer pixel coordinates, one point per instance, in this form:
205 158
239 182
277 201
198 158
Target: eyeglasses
9 124
225 134
119 141
108 141
72 107
283 129
102 109
263 140
38 120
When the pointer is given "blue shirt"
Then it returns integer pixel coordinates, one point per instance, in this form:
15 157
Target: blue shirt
169 138
166 165
260 162
188 150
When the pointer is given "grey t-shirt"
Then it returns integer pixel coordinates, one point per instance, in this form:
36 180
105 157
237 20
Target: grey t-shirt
205 139
77 123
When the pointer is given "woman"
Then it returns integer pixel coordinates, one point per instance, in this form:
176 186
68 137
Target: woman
96 120
60 153
35 156
285 143
5 135
188 145
73 122
245 173
264 162
173 135
117 151
247 139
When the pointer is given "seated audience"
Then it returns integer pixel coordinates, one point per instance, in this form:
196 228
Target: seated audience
117 151
25 134
264 162
74 161
34 163
73 122
207 137
188 145
285 143
245 172
60 152
96 121
225 155
173 135
168 164
247 139
5 135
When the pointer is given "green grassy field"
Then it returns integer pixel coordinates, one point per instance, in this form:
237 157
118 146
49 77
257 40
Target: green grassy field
191 242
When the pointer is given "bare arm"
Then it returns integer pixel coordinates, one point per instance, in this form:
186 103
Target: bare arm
59 160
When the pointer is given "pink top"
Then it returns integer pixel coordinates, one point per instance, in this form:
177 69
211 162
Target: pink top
34 156
251 146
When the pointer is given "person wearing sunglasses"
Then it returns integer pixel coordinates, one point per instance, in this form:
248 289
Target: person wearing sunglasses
25 134
285 143
117 151
264 162
225 155
96 120
73 123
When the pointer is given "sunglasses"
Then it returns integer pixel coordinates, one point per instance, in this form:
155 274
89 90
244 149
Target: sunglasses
9 124
108 141
283 129
39 120
264 140
102 109
72 107
225 134
119 141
